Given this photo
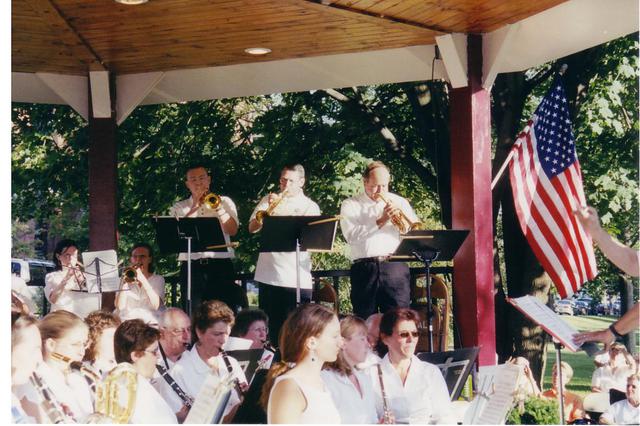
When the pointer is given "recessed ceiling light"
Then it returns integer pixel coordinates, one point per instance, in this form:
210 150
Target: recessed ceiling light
257 50
131 2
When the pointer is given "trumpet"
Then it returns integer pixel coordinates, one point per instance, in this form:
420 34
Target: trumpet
129 275
400 220
210 200
261 214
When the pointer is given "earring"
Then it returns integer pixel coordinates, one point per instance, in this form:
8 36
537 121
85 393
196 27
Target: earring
313 355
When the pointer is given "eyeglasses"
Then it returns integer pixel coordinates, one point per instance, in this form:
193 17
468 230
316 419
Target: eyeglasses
178 331
260 329
405 334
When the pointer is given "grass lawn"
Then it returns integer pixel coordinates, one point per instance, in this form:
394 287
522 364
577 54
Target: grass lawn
583 366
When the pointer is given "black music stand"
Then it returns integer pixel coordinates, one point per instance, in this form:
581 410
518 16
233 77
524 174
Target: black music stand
186 235
426 247
296 234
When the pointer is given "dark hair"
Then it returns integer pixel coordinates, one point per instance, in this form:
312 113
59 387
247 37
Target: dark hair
245 318
210 312
149 249
294 167
98 321
372 166
390 319
308 320
133 336
60 247
196 165
20 322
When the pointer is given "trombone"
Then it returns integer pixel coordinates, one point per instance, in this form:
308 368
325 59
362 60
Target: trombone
400 220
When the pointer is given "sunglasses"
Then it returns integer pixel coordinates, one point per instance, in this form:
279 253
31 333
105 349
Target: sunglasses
405 334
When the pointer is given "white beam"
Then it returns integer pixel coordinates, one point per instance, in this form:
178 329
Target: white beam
72 89
132 89
453 48
495 47
100 94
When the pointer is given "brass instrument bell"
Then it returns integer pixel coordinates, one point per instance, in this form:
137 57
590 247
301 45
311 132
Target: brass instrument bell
400 220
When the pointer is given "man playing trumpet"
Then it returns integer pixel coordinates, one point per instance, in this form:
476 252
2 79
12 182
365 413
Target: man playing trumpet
276 271
212 274
371 223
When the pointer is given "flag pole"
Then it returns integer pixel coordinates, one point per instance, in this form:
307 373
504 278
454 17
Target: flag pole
505 164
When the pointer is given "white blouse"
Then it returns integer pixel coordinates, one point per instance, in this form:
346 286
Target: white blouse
136 298
279 268
353 407
423 398
358 224
80 303
320 407
150 407
190 373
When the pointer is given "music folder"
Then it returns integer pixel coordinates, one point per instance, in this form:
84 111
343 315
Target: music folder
315 233
444 243
171 233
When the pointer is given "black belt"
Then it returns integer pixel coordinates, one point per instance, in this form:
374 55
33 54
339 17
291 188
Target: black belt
376 259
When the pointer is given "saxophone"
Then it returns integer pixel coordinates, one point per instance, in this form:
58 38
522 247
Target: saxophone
121 382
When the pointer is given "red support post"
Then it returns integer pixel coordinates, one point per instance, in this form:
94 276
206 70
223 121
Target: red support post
470 123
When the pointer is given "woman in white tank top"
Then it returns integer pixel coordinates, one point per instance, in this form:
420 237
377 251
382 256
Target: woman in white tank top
294 391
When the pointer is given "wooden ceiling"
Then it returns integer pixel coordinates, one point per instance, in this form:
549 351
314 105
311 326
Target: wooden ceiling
77 36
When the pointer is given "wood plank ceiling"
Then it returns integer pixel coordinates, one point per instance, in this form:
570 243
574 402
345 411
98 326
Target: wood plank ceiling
76 36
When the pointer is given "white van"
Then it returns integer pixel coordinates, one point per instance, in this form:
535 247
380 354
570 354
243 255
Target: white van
32 271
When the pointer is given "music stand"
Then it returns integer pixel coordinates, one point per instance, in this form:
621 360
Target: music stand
186 235
426 247
297 234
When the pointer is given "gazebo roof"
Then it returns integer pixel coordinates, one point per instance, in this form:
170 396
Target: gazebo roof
181 50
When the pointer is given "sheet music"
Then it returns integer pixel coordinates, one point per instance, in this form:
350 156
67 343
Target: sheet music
213 393
499 390
101 270
547 319
237 344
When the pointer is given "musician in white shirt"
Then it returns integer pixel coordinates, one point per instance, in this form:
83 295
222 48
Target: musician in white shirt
627 411
367 225
212 273
212 322
175 336
276 271
415 390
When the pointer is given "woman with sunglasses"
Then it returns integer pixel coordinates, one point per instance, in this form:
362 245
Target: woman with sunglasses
64 287
125 395
350 387
64 339
414 390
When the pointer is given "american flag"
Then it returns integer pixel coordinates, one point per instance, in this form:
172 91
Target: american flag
547 187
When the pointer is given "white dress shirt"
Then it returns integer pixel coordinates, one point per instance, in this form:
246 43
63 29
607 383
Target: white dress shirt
622 413
423 398
607 378
190 373
136 298
353 407
78 302
181 208
279 268
358 223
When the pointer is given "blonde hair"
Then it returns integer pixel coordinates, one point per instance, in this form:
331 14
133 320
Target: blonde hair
349 326
566 368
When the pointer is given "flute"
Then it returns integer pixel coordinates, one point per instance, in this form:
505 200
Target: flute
387 416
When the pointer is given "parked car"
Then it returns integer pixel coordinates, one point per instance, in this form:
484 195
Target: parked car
564 307
33 271
581 307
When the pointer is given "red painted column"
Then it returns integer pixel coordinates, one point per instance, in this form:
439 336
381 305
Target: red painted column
103 188
470 122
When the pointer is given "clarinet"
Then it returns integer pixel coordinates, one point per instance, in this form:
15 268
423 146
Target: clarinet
186 399
239 386
387 416
52 407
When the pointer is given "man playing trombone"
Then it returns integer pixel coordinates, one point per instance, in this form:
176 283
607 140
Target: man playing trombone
212 274
372 223
276 271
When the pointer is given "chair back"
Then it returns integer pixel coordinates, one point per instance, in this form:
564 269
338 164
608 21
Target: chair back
325 294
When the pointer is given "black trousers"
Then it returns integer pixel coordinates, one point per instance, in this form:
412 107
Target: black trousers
379 286
212 279
277 303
